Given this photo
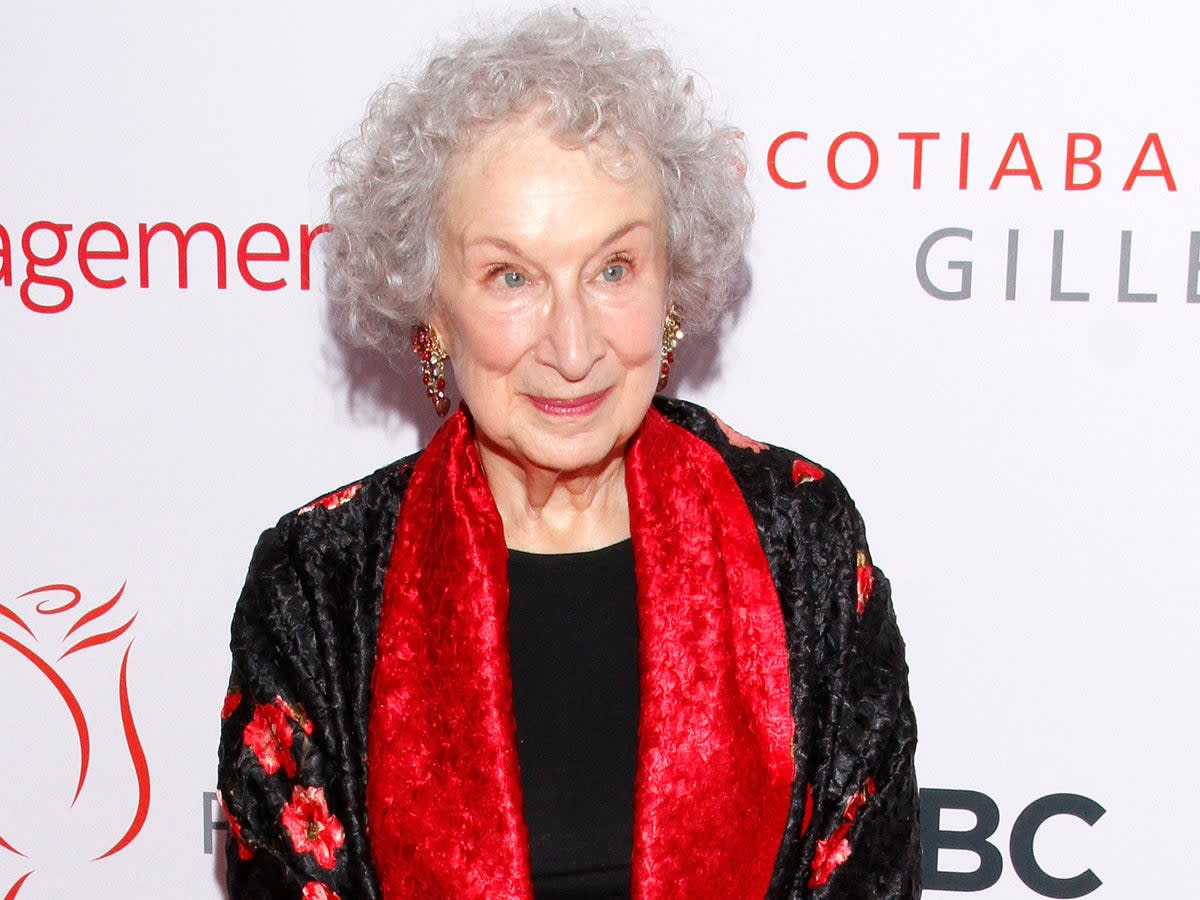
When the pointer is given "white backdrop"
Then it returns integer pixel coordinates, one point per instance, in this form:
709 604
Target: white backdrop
1024 464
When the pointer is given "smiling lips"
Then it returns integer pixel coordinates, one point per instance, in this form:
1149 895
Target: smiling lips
573 406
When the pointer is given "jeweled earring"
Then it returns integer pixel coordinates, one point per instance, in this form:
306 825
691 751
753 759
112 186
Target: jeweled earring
428 348
672 335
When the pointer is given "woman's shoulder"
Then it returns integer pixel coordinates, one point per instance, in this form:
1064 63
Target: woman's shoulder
326 560
808 526
341 534
761 470
352 508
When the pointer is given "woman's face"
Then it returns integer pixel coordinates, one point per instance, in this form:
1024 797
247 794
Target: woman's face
551 298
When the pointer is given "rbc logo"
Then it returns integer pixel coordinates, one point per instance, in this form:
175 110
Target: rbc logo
976 841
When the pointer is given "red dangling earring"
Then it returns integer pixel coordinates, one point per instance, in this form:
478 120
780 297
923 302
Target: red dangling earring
433 358
672 335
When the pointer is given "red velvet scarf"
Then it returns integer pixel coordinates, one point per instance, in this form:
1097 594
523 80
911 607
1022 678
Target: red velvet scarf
714 758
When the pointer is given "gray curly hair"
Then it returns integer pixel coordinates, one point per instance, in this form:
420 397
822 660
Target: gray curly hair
598 90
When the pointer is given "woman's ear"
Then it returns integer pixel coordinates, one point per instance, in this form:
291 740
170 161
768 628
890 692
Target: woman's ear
440 325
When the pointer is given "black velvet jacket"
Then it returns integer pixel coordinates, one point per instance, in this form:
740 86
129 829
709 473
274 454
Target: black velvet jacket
293 755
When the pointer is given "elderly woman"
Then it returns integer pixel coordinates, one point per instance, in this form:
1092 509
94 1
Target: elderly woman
589 642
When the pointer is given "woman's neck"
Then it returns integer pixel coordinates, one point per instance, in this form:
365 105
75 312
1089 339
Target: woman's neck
547 511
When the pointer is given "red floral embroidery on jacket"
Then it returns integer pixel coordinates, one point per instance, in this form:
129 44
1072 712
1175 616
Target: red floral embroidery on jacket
311 826
314 890
232 701
269 735
808 809
738 439
866 579
235 829
332 500
830 853
835 849
296 713
803 472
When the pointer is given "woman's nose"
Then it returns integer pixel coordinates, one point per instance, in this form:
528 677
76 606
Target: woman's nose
572 343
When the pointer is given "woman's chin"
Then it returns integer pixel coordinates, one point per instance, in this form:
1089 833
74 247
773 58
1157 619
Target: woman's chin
583 453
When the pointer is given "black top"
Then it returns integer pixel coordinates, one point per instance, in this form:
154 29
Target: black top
573 636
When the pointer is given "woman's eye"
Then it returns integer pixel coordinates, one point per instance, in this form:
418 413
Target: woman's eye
613 273
513 279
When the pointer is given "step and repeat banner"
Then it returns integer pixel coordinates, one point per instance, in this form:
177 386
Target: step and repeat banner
976 296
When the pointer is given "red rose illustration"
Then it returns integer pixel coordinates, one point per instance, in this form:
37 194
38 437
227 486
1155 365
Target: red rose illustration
312 827
314 890
28 629
269 735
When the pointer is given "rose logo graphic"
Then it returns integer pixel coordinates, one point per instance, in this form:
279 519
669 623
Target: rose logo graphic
28 628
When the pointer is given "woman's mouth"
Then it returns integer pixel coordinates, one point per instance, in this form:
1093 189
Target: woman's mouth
567 407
